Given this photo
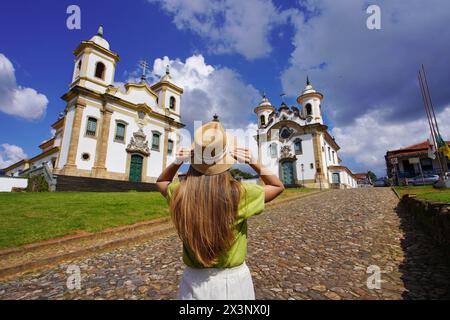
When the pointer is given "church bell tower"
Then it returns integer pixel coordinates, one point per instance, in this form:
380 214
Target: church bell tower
310 101
95 63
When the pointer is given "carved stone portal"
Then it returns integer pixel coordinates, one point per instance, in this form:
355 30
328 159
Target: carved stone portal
139 143
286 153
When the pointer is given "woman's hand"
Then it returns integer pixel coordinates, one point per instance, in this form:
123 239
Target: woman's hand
242 155
183 155
273 186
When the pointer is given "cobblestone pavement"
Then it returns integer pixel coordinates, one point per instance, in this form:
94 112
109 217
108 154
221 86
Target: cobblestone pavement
313 248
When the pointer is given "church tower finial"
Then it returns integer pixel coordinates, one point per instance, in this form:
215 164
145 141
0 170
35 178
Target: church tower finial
167 69
307 80
100 31
144 66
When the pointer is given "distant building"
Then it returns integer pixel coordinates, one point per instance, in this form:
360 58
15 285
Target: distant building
109 133
363 180
411 161
295 144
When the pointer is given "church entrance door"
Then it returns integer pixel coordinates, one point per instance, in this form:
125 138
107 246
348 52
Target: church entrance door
136 168
336 178
287 173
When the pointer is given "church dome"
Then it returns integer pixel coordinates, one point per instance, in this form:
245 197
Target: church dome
265 102
309 88
167 77
98 39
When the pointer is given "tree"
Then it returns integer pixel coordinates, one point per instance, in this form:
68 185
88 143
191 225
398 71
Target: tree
372 176
237 173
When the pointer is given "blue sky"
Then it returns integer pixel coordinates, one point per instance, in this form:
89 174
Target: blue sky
226 52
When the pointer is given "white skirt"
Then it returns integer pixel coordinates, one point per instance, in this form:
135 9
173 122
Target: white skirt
217 284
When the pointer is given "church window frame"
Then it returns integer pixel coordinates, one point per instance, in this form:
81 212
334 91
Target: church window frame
273 150
285 133
298 146
172 103
170 144
308 109
100 70
120 136
329 154
91 127
262 120
156 140
85 156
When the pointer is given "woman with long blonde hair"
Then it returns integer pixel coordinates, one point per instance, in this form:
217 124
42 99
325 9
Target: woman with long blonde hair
210 210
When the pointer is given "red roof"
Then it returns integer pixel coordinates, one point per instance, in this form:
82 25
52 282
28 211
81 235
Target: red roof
415 148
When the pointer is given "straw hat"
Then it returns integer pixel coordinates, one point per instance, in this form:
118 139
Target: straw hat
212 147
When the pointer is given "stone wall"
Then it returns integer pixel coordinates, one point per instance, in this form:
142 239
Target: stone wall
83 184
433 217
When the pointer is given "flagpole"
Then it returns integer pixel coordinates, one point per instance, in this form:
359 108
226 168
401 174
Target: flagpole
431 121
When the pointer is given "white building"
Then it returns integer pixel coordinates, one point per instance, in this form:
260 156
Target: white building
295 144
107 132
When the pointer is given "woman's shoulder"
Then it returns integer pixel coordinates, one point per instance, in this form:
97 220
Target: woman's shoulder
252 187
252 191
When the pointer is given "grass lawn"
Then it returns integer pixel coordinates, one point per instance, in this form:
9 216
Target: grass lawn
289 192
426 192
30 217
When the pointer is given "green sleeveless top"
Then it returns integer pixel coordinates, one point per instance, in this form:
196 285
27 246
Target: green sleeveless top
250 204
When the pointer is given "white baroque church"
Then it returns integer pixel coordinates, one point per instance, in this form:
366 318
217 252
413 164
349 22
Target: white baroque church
295 144
108 132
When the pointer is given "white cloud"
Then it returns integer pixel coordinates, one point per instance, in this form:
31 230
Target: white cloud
16 100
210 90
10 154
360 70
228 26
369 137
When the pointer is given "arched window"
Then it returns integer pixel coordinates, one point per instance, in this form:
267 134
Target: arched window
79 65
155 141
308 108
273 150
298 146
100 70
262 119
285 133
172 103
91 127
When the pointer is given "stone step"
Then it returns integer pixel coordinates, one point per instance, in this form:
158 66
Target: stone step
26 261
79 236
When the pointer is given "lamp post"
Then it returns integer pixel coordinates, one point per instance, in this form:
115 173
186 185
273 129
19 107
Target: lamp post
303 177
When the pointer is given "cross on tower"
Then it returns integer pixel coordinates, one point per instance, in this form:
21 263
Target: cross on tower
144 66
282 96
263 94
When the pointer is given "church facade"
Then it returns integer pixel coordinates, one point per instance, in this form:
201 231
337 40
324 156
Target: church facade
108 132
295 144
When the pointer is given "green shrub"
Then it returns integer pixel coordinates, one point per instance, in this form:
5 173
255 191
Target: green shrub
37 184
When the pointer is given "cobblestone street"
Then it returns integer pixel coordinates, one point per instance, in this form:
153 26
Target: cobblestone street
318 247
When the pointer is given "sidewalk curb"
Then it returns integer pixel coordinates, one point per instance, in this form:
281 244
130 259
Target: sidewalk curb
396 193
295 197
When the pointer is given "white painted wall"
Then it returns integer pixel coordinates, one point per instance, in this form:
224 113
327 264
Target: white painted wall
66 138
7 183
87 144
138 96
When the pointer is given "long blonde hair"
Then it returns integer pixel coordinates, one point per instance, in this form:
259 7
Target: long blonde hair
203 209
